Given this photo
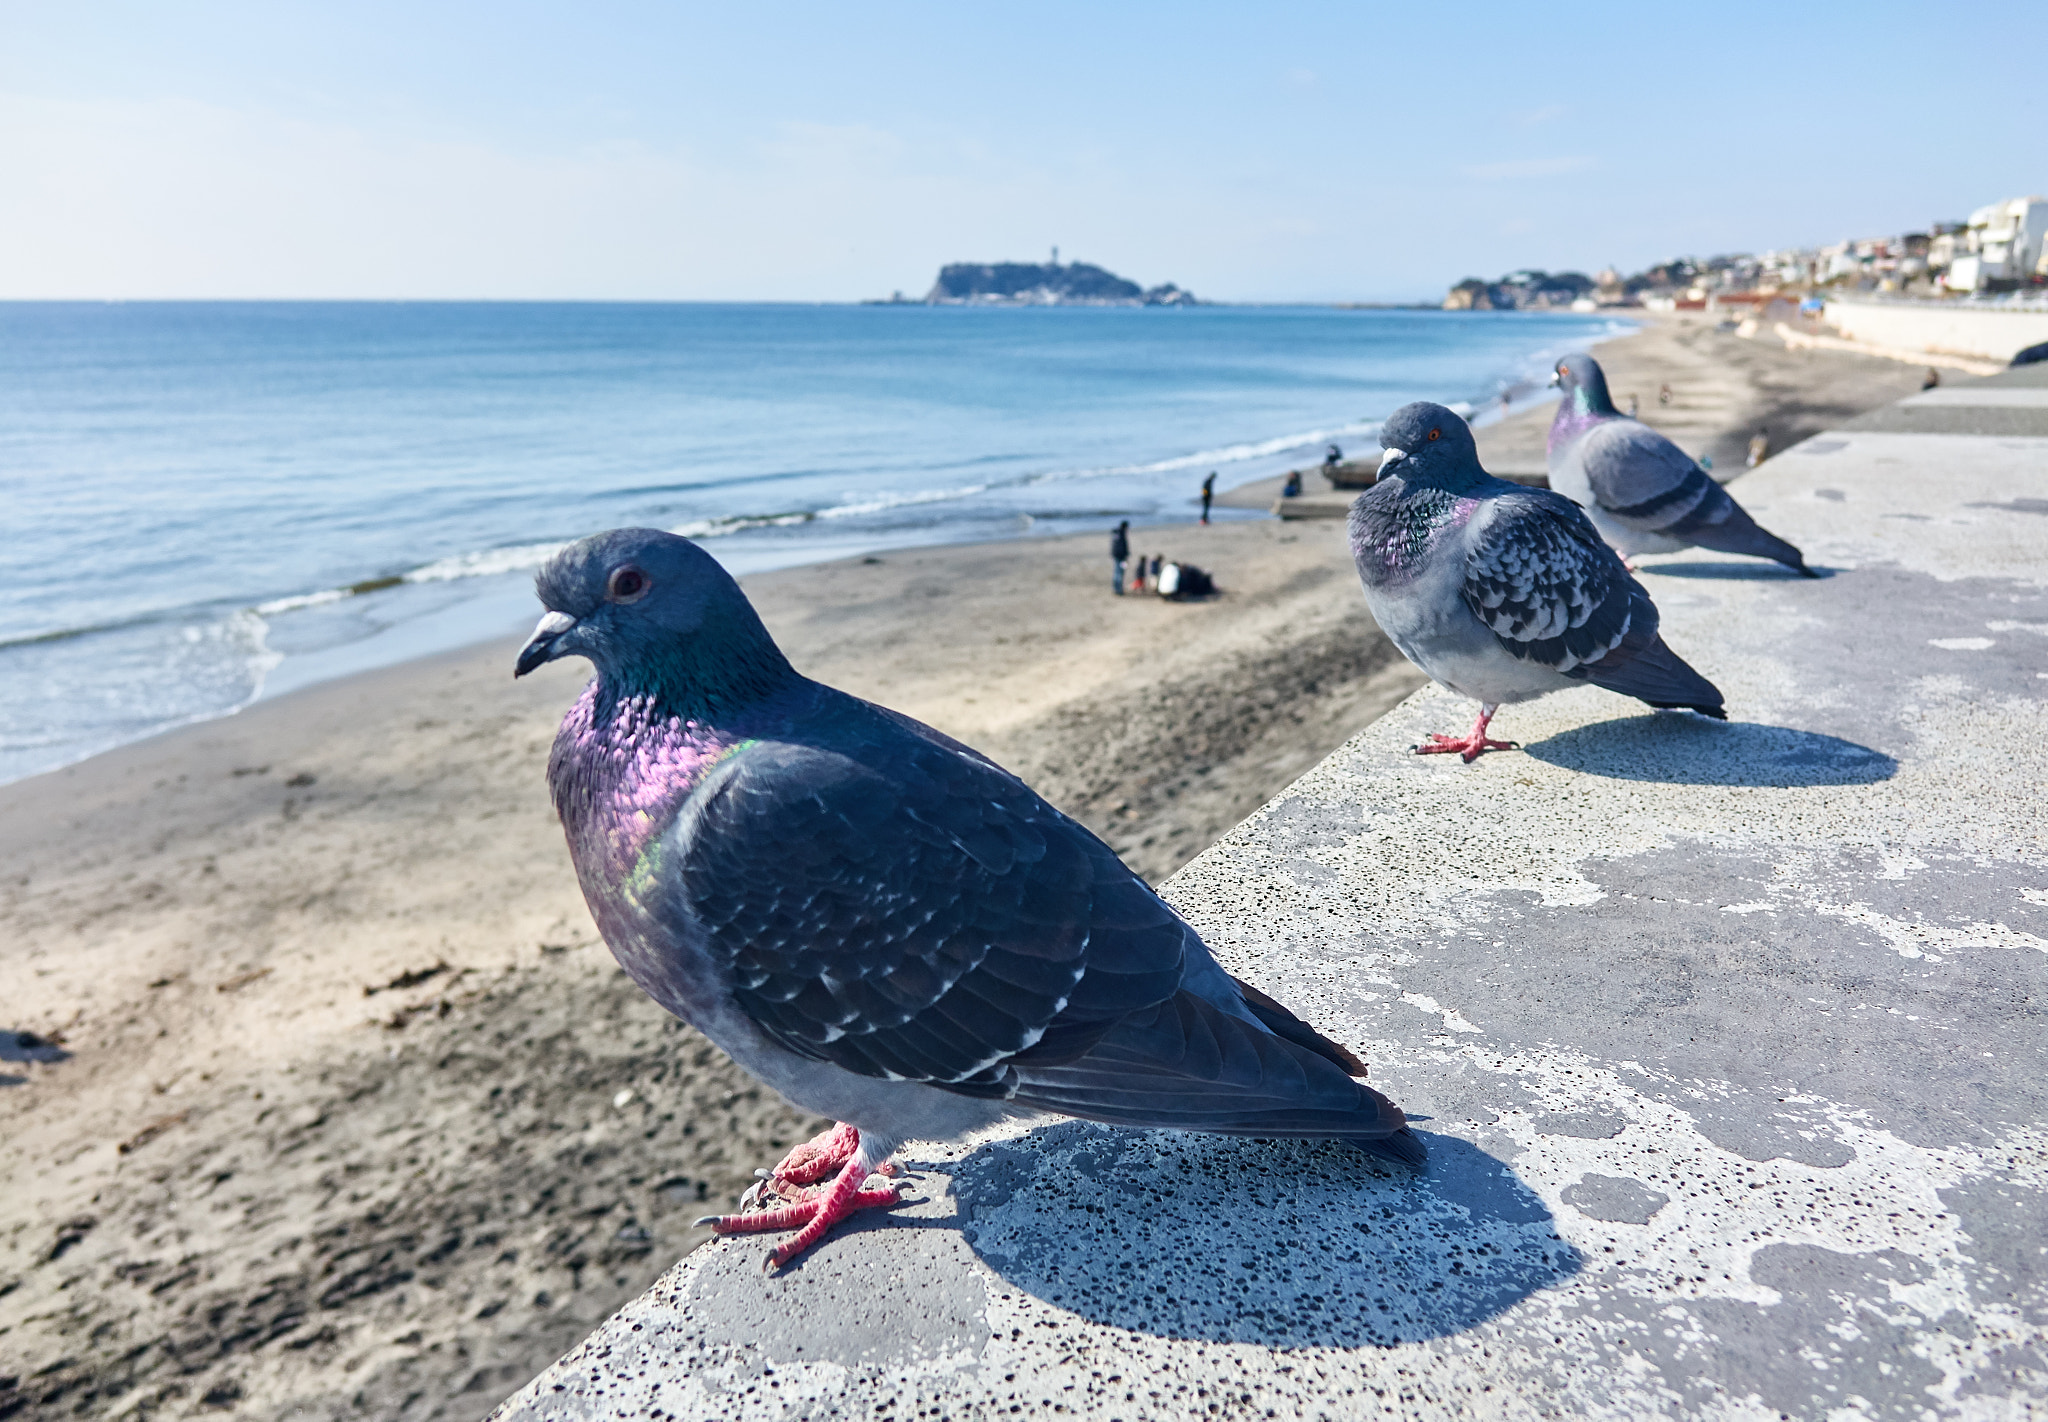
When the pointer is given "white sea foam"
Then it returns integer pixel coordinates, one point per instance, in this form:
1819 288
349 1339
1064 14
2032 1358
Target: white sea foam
1226 454
486 563
303 600
881 503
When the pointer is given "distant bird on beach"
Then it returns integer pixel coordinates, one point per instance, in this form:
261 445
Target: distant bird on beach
881 924
1644 493
1500 592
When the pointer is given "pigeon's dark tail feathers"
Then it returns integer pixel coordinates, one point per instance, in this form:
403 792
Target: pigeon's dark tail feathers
1719 713
1403 1147
1283 1023
1737 532
1187 1064
1659 676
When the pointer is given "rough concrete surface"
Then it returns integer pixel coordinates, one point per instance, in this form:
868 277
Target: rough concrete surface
1727 1042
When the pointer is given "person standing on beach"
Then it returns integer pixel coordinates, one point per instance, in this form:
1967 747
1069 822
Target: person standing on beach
1208 494
1120 554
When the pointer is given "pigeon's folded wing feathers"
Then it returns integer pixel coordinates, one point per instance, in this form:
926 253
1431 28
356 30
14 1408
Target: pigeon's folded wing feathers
1541 580
931 924
1645 482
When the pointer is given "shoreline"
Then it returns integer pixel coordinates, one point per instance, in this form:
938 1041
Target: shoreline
342 1106
418 588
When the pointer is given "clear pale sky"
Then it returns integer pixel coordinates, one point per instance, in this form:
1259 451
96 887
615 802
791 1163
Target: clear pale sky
833 152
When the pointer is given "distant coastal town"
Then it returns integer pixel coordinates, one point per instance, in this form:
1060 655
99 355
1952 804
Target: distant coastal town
2001 251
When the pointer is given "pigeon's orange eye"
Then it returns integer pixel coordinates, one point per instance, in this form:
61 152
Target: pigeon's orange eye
627 584
1436 434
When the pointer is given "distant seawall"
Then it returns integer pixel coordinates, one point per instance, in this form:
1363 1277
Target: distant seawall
1987 332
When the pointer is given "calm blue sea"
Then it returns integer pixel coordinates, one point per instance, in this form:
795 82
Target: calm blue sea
206 503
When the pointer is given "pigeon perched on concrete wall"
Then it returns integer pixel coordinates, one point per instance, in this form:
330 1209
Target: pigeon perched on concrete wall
1644 493
1500 592
884 926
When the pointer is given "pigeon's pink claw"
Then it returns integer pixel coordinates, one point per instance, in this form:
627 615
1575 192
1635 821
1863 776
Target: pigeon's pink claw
1470 747
816 1213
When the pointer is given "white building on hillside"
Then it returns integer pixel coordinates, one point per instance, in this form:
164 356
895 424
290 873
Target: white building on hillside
2004 242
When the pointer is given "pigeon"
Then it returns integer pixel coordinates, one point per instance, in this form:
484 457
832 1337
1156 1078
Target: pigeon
1500 592
1644 493
881 924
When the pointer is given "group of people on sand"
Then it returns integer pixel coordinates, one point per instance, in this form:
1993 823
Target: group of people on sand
1153 572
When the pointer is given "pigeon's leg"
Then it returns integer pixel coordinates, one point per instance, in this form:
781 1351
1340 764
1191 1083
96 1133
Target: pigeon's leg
1470 747
819 1209
819 1157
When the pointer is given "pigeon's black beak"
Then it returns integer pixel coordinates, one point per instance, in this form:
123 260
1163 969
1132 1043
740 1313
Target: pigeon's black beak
545 643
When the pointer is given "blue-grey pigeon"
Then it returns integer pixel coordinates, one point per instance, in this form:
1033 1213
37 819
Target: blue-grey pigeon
884 926
1500 592
1644 493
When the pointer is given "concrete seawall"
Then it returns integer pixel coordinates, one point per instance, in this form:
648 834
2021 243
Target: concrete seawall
1939 328
1728 1043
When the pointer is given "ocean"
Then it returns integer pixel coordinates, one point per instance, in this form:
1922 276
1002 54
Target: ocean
208 503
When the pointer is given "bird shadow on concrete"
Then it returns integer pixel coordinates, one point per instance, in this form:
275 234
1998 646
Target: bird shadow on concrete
18 1046
1747 570
1679 748
1284 1244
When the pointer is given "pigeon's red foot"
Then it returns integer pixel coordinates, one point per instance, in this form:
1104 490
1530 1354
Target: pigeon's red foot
1468 747
811 1211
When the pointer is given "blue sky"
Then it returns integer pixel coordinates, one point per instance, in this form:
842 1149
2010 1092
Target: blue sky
812 152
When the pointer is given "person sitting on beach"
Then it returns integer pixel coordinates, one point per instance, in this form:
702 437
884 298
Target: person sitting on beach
1332 457
1759 449
1119 554
1933 379
1292 488
1180 581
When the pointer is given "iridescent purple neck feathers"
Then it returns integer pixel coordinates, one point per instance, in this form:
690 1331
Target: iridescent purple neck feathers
623 766
1573 420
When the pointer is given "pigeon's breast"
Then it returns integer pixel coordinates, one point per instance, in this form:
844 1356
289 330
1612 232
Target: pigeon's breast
620 773
1396 540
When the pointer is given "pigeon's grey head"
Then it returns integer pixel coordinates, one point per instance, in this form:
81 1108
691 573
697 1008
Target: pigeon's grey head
651 611
1428 444
1584 384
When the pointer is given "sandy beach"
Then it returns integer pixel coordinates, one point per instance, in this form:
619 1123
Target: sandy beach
334 1106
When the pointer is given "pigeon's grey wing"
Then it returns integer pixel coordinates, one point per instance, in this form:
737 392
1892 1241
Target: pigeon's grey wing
905 910
1543 582
940 923
1552 592
1645 482
1641 479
